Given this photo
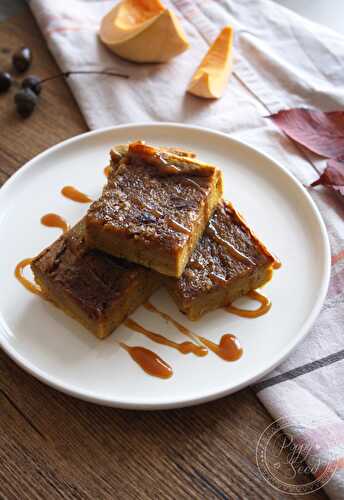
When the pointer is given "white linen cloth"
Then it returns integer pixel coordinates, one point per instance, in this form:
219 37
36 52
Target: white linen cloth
281 61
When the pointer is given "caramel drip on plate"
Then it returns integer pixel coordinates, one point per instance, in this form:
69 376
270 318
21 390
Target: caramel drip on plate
235 253
54 220
181 328
31 287
73 194
149 361
151 308
264 307
228 349
107 171
183 348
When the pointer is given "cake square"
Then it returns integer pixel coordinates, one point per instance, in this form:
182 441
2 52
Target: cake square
96 289
228 262
154 207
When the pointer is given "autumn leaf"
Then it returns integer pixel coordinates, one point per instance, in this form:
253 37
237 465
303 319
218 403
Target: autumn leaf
332 176
320 132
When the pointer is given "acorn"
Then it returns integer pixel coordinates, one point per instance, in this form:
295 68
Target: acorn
5 81
33 83
22 59
25 101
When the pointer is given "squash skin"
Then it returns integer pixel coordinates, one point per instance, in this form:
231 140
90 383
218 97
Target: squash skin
155 40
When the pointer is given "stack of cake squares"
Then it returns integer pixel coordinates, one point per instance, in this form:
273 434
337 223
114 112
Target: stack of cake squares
160 221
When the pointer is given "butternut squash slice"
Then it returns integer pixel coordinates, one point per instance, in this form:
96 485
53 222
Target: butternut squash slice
212 75
143 31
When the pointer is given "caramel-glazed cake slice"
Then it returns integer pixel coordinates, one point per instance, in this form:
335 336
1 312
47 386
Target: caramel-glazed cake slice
228 262
154 208
96 289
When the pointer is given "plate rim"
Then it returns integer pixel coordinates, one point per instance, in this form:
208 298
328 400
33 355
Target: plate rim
91 396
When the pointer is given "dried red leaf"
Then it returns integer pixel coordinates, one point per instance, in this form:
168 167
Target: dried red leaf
332 176
322 133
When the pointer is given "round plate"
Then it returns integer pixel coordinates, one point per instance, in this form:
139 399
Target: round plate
55 349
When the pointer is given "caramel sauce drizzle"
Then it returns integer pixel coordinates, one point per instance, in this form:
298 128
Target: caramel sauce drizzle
277 263
162 160
107 171
147 208
31 287
219 280
169 221
149 361
183 348
193 183
240 256
188 168
264 307
49 220
229 348
165 167
177 226
73 194
181 328
54 220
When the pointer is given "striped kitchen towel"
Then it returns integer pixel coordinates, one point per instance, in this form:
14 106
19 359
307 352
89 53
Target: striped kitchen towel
281 60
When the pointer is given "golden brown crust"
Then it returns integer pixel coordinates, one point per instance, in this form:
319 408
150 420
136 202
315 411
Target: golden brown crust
151 212
169 161
228 262
94 288
255 238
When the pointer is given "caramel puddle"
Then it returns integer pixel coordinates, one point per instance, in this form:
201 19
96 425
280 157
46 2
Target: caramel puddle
18 272
183 348
73 194
264 307
54 220
149 361
229 348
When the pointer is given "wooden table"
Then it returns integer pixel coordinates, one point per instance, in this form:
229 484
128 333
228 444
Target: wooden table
54 446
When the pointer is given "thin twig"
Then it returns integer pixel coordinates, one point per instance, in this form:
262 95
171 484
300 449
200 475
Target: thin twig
66 74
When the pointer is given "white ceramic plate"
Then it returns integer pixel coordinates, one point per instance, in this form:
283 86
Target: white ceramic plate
55 349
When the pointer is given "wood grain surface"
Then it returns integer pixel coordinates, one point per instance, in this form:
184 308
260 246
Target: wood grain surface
54 446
